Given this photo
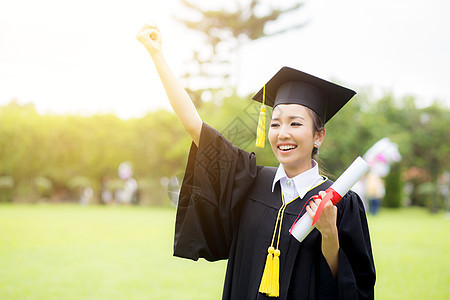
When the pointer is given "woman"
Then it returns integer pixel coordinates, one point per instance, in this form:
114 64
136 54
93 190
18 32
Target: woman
230 208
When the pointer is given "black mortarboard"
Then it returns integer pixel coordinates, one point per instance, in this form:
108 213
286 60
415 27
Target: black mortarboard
291 86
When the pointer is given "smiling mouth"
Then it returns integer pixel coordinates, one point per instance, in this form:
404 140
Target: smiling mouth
286 148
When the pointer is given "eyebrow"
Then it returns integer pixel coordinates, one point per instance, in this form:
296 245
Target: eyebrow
290 117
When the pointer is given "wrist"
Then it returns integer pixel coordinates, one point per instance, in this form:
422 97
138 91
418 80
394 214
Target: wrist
156 54
330 235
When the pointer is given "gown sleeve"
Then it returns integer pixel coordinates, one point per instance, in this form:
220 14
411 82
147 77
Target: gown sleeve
217 178
356 271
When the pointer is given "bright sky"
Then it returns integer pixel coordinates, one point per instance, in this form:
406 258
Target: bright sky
82 56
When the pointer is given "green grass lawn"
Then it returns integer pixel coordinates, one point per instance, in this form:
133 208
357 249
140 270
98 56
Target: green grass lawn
97 252
411 250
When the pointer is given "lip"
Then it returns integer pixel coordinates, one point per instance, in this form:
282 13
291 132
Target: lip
286 144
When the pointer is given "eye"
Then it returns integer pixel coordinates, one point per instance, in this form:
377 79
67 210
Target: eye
296 124
274 125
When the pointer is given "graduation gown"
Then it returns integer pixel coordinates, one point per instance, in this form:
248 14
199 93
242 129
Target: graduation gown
227 210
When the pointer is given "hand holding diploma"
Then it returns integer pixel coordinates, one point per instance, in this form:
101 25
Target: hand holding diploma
338 189
326 224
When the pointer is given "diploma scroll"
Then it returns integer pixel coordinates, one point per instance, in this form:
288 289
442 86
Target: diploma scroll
334 193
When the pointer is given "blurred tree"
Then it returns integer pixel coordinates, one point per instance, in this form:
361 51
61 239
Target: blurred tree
20 147
224 29
394 187
343 142
6 189
430 143
40 154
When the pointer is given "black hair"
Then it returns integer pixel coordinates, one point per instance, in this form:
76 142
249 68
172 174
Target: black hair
318 127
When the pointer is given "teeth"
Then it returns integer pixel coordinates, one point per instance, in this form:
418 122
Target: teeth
287 147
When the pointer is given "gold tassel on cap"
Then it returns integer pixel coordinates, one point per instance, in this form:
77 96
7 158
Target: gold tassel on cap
270 281
261 131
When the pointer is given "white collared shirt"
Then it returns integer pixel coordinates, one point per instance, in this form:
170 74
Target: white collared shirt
298 185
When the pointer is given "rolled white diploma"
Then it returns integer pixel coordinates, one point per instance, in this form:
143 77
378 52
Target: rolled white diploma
341 186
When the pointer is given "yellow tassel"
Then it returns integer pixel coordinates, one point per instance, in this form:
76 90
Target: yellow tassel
266 279
270 282
261 131
275 286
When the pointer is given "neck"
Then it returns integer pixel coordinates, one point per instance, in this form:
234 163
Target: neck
292 171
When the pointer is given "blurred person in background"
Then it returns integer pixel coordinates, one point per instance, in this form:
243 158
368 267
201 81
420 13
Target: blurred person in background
375 192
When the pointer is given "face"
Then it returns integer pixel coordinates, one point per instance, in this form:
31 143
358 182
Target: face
292 137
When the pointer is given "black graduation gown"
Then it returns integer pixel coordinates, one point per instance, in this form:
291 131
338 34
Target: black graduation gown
227 210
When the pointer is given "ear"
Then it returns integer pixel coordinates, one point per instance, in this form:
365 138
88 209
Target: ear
319 136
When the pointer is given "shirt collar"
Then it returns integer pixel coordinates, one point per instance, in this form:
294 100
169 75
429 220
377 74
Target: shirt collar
303 182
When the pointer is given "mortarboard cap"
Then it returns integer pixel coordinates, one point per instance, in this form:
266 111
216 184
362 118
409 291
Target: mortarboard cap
291 86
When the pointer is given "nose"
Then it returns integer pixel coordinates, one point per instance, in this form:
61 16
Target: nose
284 133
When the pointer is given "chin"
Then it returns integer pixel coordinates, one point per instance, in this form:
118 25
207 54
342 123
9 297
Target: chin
294 162
288 162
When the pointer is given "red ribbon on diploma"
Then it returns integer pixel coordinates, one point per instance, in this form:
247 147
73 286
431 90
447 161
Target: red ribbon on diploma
330 195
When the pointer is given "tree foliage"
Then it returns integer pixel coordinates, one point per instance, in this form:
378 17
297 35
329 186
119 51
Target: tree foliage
60 148
46 156
224 28
394 187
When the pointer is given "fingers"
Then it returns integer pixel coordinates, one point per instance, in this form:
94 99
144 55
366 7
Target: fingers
151 33
151 38
327 220
312 206
149 30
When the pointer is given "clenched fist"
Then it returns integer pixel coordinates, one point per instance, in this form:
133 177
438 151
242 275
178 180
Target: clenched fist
150 37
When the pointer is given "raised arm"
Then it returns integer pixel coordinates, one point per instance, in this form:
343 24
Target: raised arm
182 105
